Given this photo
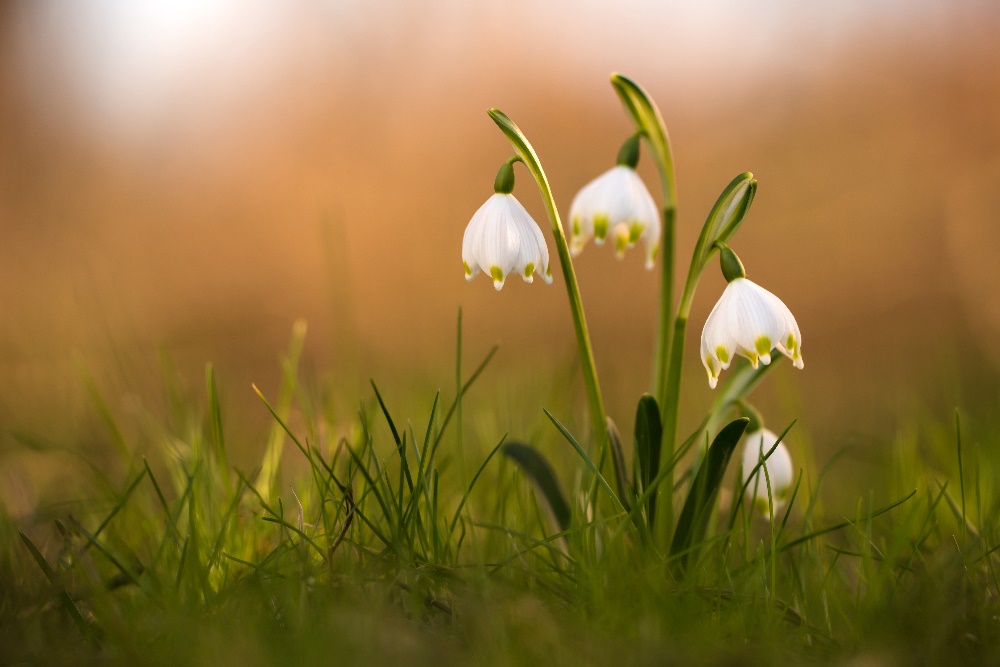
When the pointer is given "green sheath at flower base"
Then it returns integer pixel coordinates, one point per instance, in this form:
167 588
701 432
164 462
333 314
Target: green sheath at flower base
504 183
732 267
628 154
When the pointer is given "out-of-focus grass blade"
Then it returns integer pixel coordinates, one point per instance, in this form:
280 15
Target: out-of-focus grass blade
104 411
468 490
39 558
215 421
698 507
454 404
68 603
118 506
843 524
618 458
648 439
538 470
267 478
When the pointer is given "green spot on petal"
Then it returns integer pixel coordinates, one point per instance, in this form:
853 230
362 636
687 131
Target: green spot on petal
497 273
576 225
635 231
723 354
621 243
600 227
790 343
710 363
468 269
760 504
529 270
763 345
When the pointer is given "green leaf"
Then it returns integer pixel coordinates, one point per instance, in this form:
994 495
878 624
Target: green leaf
698 507
538 470
647 118
648 440
618 458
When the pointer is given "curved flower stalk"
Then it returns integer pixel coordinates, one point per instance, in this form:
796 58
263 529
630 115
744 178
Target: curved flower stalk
617 204
747 320
526 154
779 473
502 237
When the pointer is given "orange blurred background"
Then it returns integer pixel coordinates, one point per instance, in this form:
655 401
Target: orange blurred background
195 176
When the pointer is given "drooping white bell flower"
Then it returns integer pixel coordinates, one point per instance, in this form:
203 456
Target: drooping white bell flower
749 321
778 464
616 204
502 237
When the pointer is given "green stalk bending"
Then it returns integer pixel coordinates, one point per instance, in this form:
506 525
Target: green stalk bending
723 221
530 159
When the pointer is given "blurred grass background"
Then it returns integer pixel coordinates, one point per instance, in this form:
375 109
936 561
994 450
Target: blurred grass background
186 180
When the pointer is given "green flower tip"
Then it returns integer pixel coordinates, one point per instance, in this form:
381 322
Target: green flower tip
628 154
732 267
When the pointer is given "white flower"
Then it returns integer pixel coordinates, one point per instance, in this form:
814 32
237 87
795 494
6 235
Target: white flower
616 203
502 237
778 464
750 321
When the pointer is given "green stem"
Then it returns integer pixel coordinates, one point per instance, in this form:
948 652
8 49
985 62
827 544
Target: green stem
530 159
723 221
666 307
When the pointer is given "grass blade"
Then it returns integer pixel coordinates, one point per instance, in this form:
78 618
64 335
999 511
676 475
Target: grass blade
468 490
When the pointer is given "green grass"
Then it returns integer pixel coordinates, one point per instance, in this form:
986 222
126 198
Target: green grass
388 548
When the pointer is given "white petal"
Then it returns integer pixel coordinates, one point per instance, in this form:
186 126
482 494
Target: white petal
778 464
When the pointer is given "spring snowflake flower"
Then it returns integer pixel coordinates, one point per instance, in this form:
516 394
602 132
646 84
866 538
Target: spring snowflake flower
778 464
617 204
502 237
749 321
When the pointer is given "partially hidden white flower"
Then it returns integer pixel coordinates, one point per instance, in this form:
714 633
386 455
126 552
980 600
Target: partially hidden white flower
749 321
502 237
616 204
778 464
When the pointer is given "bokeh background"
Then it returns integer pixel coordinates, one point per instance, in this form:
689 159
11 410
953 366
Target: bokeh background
186 179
